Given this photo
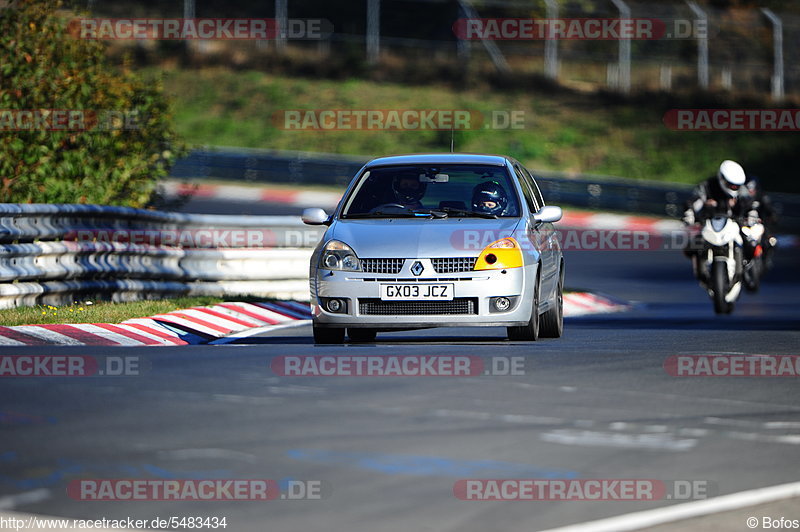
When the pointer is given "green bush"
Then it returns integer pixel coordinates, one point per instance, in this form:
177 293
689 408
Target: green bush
122 141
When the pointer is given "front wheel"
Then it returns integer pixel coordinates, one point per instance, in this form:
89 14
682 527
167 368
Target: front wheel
552 321
751 276
719 285
530 331
327 335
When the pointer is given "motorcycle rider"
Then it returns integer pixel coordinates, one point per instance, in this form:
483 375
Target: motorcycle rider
759 209
719 194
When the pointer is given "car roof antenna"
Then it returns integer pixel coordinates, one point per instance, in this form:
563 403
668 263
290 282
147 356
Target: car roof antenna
452 138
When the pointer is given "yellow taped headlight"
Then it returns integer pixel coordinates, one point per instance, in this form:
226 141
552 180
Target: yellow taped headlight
500 255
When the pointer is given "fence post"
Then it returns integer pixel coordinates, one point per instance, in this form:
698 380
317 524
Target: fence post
494 52
281 16
373 31
188 8
624 50
777 40
702 46
551 44
665 77
463 46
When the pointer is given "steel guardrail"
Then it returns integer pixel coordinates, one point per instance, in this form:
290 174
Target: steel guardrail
61 253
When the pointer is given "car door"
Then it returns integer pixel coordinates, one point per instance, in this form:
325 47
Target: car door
542 234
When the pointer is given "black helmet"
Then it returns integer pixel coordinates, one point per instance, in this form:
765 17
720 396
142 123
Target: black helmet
404 191
752 185
489 191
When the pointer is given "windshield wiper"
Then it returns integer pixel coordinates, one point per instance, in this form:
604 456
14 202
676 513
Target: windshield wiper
435 213
464 212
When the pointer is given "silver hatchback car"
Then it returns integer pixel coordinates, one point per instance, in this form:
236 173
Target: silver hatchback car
438 240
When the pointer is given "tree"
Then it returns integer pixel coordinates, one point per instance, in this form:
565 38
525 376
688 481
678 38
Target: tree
73 127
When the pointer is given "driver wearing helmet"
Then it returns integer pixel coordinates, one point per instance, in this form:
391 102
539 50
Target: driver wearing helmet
489 198
719 194
408 190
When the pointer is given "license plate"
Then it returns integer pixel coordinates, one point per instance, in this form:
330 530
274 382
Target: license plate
417 292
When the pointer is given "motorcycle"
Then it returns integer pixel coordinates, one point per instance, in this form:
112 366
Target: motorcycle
719 266
754 265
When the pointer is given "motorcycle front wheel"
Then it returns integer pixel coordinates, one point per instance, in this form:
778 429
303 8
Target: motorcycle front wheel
719 285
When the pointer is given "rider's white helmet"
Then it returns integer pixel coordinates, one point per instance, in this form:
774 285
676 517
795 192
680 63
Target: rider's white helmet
731 177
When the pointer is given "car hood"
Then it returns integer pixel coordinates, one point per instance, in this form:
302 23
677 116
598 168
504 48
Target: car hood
422 237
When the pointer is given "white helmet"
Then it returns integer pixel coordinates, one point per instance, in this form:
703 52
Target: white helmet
731 177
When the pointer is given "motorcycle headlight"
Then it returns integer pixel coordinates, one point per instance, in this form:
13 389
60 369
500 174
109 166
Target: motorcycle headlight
499 255
339 256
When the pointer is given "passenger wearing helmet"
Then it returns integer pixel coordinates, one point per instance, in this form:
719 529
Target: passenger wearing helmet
408 190
489 198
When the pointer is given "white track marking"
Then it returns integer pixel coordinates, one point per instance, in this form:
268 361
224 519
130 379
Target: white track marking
200 314
679 512
620 440
192 454
48 335
782 425
192 326
259 330
9 341
261 312
153 324
9 502
148 334
108 335
237 313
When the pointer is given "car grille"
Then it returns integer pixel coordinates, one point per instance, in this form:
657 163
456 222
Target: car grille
453 264
376 307
382 265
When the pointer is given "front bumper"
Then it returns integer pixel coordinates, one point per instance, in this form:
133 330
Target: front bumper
361 292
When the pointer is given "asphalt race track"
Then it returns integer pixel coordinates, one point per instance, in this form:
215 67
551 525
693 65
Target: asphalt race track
387 451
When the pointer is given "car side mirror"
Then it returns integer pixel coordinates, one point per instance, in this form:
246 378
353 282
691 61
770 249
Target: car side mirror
548 214
315 216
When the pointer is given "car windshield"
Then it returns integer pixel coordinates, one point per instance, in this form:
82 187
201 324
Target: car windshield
434 191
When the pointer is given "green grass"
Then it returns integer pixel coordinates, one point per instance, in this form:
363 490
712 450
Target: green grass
564 131
99 312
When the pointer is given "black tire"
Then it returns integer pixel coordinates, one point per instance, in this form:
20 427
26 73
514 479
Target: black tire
751 276
529 332
552 322
326 335
362 335
719 285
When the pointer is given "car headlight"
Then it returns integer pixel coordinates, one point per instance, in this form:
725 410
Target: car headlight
339 256
499 255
